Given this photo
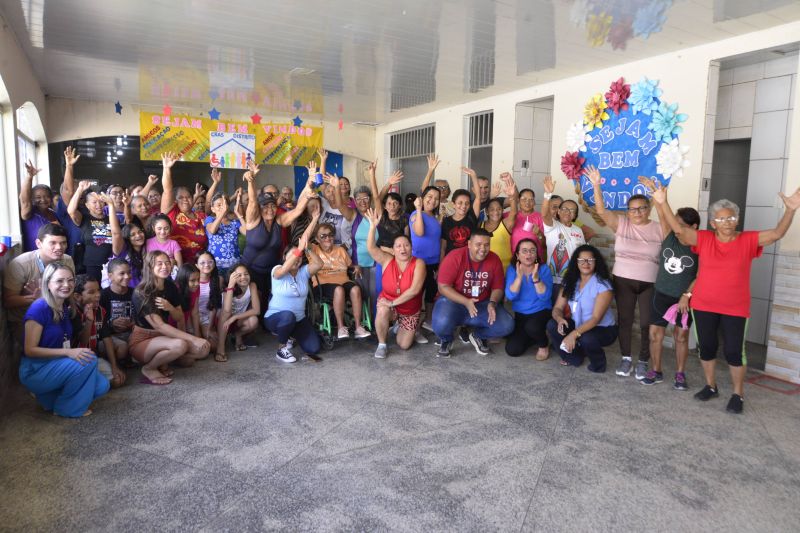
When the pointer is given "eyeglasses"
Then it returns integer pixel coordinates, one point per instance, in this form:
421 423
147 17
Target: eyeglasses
568 210
206 263
640 209
527 251
722 220
362 199
585 261
324 236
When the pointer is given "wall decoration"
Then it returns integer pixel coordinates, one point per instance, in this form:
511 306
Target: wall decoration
617 21
166 110
118 108
627 132
231 149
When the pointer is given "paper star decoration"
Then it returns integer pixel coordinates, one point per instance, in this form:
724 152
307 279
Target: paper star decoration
213 94
256 118
167 110
118 108
213 114
297 121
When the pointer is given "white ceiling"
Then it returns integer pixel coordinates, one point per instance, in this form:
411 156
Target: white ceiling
372 60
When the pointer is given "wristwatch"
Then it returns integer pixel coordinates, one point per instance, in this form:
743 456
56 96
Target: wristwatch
687 294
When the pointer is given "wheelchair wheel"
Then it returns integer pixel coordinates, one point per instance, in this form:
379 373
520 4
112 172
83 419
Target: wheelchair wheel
327 342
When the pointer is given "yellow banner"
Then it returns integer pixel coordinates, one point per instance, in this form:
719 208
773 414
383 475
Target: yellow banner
189 137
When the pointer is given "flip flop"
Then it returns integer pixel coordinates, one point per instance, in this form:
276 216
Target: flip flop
241 348
147 381
564 363
220 358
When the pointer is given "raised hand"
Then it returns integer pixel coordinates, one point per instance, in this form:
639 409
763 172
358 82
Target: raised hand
83 186
469 172
253 168
198 189
497 188
32 170
316 211
152 178
107 200
373 217
372 167
332 179
233 280
791 202
535 271
549 184
659 194
323 154
248 177
312 168
592 174
649 183
216 175
168 159
71 156
418 204
433 162
396 177
510 186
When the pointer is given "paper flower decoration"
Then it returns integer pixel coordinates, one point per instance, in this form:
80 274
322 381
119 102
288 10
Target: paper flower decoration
644 96
576 137
617 95
595 112
572 165
597 28
665 122
671 159
579 13
620 32
650 18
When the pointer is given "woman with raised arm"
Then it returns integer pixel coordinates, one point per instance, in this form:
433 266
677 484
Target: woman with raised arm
400 299
263 227
65 380
137 210
154 343
389 208
426 233
177 203
35 207
286 315
223 229
587 291
456 229
637 249
499 226
720 300
95 227
529 224
562 235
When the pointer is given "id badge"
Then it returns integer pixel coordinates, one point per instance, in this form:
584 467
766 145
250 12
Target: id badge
65 345
476 291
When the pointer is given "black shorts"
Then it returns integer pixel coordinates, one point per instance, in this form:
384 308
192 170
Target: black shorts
328 288
661 303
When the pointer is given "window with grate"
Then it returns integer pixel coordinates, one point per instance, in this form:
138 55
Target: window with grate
414 142
480 130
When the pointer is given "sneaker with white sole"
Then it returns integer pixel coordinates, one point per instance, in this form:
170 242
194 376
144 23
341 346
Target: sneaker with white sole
381 352
444 349
625 366
641 370
420 338
427 325
285 355
652 378
361 333
290 343
479 344
680 382
464 334
343 333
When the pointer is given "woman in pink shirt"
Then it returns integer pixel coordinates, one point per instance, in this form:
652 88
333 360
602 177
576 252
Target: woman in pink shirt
637 250
529 225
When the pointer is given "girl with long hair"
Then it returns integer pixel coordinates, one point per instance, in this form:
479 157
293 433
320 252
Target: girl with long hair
188 282
241 307
426 232
209 301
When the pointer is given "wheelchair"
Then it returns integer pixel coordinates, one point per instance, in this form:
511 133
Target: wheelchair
319 309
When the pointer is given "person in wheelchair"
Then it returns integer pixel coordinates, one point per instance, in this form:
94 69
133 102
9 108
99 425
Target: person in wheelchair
334 282
286 315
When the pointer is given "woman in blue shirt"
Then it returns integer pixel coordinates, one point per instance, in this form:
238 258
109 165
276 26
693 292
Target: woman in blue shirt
286 315
528 288
586 288
426 234
65 380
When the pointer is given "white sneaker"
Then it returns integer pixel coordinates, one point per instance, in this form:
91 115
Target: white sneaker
427 325
420 338
361 333
290 343
380 353
343 333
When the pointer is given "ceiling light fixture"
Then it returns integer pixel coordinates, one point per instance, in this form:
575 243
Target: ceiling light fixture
119 152
301 71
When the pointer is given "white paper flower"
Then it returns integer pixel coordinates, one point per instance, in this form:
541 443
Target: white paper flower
579 13
577 137
671 159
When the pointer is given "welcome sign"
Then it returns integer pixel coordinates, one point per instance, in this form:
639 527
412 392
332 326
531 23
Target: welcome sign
626 133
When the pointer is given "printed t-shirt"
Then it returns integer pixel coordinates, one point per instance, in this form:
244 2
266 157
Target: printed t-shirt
723 278
96 238
98 330
141 308
561 244
530 226
116 305
334 265
473 279
54 334
637 249
26 269
189 232
456 233
677 267
224 244
394 283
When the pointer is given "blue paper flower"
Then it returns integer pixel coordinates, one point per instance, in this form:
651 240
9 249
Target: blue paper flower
665 122
650 18
644 96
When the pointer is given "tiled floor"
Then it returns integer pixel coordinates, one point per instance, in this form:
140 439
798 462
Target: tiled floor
410 443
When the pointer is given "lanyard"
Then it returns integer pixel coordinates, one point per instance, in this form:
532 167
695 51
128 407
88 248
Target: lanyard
39 263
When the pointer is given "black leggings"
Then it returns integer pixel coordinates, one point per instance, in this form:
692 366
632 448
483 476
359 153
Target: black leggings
529 330
430 286
629 292
706 326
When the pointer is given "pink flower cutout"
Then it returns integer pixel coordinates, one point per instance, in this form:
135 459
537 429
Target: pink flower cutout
617 95
572 165
627 181
613 183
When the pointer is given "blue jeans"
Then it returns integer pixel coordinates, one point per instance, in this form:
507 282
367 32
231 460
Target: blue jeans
284 324
448 314
63 385
589 345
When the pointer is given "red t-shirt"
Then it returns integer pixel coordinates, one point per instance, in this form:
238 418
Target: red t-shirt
723 277
394 283
190 233
461 273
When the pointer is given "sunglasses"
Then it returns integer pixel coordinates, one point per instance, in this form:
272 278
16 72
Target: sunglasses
324 236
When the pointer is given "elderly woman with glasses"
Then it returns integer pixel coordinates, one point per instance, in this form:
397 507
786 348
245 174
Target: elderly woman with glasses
720 300
562 235
586 289
637 251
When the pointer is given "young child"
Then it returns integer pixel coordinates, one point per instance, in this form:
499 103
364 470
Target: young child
161 227
91 325
188 283
210 300
240 310
116 302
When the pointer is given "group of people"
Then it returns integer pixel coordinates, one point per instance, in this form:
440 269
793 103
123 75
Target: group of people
113 278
